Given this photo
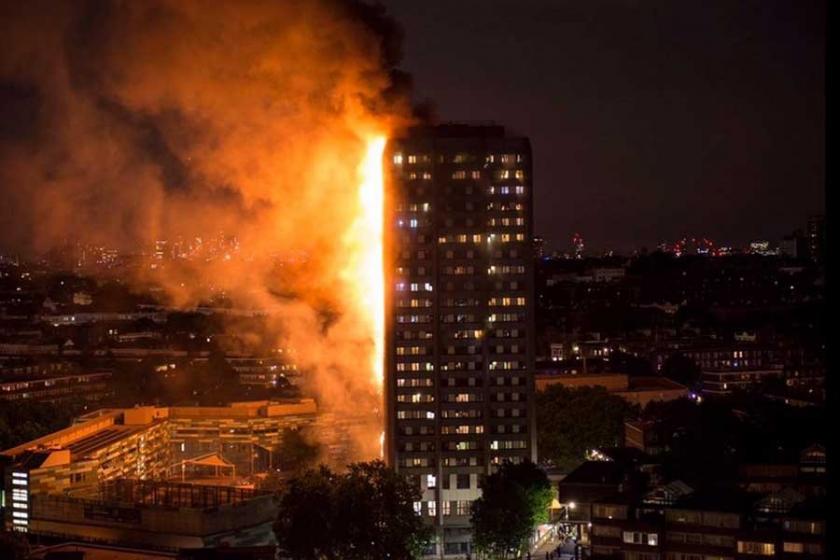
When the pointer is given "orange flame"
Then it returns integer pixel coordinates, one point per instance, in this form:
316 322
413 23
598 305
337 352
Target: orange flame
364 241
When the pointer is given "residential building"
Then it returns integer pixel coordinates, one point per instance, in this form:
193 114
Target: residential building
635 390
54 388
151 443
460 315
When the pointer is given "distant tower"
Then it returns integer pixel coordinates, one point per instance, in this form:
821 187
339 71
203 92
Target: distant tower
539 247
577 245
816 238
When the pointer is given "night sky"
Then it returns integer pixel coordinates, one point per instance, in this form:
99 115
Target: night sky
649 120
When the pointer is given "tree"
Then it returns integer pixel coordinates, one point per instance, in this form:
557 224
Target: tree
515 499
366 513
296 451
305 526
572 421
22 421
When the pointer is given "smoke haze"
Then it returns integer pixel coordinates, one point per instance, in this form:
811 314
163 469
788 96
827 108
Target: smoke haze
125 122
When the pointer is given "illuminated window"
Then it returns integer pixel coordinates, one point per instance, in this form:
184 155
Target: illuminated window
635 537
756 548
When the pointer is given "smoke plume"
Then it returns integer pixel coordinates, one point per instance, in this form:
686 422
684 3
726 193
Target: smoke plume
127 122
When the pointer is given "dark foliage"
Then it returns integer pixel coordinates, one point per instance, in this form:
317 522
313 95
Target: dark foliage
572 421
514 500
366 513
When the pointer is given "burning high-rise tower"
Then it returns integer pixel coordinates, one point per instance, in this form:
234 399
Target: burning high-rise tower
459 315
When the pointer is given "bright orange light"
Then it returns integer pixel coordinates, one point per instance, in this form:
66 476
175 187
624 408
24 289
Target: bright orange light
382 445
368 232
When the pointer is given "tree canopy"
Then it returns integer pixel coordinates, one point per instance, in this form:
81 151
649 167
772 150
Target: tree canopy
366 513
515 499
22 421
572 421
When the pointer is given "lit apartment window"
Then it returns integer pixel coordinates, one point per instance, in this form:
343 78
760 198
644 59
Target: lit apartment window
756 548
635 537
795 547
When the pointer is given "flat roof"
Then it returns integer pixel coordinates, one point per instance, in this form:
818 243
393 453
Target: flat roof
596 472
102 438
564 374
654 383
100 428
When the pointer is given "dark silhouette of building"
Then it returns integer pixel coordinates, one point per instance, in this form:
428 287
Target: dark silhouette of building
460 320
816 238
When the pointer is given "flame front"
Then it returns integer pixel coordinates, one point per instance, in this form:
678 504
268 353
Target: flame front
369 275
